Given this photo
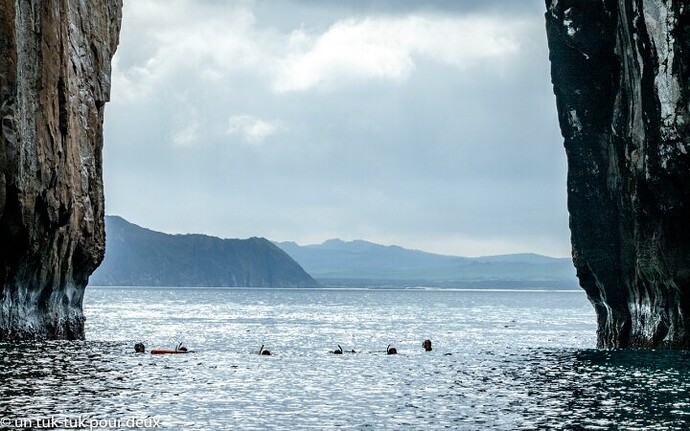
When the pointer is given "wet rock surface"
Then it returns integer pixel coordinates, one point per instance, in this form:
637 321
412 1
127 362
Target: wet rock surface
621 74
54 82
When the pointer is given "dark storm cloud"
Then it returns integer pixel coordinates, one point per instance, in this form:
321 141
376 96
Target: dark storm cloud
414 6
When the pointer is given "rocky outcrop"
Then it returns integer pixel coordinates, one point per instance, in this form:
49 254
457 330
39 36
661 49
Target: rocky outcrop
621 75
136 256
54 81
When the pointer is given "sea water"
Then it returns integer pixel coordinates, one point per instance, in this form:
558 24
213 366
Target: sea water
501 359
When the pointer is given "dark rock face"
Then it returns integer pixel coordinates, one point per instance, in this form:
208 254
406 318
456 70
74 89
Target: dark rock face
54 81
621 75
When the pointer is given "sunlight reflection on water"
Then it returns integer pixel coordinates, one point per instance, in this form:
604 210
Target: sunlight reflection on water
501 360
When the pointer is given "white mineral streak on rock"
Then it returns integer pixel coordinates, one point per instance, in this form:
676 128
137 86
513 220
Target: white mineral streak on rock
661 23
574 121
553 7
568 22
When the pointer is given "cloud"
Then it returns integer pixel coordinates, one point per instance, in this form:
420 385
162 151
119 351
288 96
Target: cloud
228 41
413 122
386 48
251 129
183 38
186 137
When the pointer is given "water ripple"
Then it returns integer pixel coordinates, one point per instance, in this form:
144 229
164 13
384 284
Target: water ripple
498 363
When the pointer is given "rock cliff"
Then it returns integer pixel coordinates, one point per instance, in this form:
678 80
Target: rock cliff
54 81
621 75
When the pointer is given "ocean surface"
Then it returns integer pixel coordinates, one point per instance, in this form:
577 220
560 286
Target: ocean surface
501 360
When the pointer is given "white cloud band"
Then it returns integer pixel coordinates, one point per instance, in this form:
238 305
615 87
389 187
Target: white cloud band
386 48
253 130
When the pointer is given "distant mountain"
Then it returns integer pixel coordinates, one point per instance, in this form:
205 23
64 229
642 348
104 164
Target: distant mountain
136 256
337 262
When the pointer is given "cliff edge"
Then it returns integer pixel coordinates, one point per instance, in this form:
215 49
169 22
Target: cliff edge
621 74
54 82
136 256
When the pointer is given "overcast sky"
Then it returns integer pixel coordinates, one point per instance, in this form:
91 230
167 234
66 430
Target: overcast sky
426 124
